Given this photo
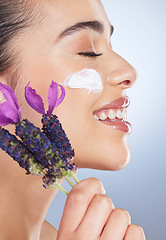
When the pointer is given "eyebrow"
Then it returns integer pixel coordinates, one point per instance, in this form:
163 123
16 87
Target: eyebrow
94 25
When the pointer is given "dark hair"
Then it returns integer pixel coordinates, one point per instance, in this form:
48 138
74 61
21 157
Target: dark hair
15 16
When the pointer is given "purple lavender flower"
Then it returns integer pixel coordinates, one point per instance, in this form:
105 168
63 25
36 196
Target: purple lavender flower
39 152
36 102
19 152
10 111
52 128
46 153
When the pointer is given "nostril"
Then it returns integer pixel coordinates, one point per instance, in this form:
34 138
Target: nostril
126 82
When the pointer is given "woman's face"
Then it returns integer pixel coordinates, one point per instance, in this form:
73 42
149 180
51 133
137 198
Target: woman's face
50 52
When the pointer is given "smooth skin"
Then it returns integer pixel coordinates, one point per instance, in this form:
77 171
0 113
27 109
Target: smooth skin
42 57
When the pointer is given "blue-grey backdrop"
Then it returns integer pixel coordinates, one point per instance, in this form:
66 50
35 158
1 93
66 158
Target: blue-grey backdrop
140 37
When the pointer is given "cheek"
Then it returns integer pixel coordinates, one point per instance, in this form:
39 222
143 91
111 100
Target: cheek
82 89
77 106
75 114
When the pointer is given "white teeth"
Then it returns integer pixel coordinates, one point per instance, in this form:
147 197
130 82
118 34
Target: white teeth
102 116
95 117
111 114
119 114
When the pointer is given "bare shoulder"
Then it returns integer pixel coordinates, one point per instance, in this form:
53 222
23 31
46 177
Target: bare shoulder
48 232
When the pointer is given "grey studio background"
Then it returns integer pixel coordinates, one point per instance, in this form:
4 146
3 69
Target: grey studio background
139 37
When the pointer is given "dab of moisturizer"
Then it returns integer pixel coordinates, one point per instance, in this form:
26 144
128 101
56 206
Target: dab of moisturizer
87 78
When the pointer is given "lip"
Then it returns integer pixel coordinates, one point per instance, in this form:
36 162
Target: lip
122 102
118 124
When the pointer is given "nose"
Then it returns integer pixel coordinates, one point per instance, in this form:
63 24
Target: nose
120 72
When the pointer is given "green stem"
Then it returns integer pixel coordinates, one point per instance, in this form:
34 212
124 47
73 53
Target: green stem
75 177
60 187
70 181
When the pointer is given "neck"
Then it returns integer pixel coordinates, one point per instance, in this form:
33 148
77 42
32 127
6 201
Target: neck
23 202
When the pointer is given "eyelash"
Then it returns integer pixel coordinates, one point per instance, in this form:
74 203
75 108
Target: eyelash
90 54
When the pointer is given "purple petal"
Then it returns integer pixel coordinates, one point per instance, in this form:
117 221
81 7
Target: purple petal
62 96
34 100
52 97
10 97
53 100
8 115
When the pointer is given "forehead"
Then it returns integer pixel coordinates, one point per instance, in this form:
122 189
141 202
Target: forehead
65 13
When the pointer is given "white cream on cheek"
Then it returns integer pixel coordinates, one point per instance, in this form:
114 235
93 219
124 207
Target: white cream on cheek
87 78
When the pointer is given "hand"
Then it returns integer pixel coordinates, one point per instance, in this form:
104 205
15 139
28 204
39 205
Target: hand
90 215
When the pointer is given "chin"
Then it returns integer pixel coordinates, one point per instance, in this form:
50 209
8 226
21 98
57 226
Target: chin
122 160
121 157
112 158
112 163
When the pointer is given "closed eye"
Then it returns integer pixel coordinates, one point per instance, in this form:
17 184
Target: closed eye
90 54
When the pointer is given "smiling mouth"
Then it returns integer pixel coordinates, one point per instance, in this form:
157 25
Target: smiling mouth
114 115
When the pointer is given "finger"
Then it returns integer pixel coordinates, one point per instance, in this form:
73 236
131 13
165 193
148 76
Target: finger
134 232
117 225
77 203
96 216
